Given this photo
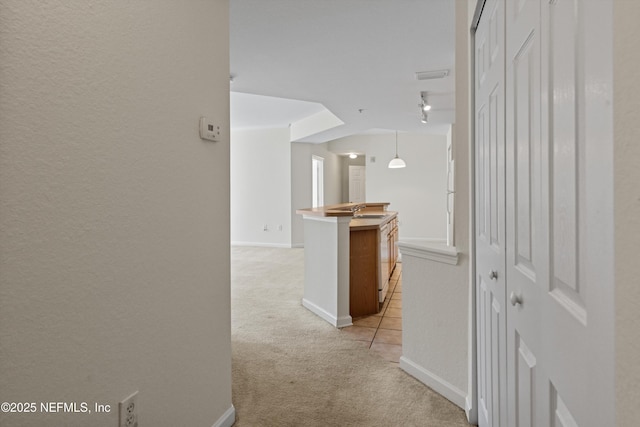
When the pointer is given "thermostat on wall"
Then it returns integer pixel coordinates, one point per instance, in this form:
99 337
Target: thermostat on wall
209 130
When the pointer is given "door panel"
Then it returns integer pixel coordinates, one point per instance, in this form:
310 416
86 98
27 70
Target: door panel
357 179
566 130
490 219
525 371
560 414
527 240
577 310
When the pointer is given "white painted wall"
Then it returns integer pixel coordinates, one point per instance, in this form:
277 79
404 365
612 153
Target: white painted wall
261 187
438 304
301 183
417 192
114 244
270 180
627 209
326 269
300 189
434 323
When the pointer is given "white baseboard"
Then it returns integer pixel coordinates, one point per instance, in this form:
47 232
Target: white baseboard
344 321
297 245
472 414
227 419
262 244
423 240
340 322
439 385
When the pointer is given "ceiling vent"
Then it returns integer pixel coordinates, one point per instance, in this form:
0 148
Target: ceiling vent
428 75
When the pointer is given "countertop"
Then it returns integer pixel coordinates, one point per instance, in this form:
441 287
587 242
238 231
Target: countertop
370 215
359 223
343 209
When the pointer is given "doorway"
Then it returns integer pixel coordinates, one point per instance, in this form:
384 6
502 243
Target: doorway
357 180
317 180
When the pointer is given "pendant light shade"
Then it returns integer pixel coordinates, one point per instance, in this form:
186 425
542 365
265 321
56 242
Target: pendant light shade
397 162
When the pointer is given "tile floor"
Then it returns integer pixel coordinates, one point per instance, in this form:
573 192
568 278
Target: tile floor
382 332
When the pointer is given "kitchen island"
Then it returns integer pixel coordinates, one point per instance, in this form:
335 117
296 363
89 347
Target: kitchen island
350 253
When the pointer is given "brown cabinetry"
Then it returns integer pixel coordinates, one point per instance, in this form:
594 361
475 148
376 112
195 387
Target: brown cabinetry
372 257
363 272
393 244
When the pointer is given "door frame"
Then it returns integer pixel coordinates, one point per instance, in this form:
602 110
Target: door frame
472 399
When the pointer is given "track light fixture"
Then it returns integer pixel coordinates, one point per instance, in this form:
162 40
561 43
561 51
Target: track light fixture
424 107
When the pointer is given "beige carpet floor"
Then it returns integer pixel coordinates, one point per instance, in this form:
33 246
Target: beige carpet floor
291 368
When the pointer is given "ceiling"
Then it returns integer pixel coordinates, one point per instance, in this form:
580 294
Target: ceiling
291 59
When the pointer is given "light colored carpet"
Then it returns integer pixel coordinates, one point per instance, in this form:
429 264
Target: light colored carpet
291 368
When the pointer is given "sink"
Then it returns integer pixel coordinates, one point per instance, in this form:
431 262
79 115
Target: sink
366 215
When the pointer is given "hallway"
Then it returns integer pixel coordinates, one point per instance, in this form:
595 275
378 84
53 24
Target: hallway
291 368
382 332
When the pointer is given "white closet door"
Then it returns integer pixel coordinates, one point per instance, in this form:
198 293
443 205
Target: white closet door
559 224
490 215
527 224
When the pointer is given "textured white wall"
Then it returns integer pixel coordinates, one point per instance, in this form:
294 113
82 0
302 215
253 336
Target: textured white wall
261 187
417 192
434 325
627 209
114 237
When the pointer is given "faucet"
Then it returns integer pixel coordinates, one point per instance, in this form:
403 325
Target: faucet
357 208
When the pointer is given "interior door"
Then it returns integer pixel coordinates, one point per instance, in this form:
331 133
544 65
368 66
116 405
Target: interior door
357 179
490 215
527 225
559 270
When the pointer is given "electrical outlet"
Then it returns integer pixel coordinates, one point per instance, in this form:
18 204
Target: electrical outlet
265 228
128 409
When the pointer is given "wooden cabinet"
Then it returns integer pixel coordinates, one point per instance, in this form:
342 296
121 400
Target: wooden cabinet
364 254
392 239
373 253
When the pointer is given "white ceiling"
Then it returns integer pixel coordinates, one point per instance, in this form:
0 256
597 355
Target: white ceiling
357 58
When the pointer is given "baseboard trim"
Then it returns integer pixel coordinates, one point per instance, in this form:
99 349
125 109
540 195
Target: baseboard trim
431 251
227 419
338 322
344 321
297 245
439 385
424 240
472 417
262 244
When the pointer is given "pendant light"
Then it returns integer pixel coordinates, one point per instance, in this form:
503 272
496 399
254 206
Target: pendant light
397 162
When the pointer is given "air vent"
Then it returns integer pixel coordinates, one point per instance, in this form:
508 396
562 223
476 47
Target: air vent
428 75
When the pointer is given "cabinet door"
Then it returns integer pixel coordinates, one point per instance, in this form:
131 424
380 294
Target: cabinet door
363 272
